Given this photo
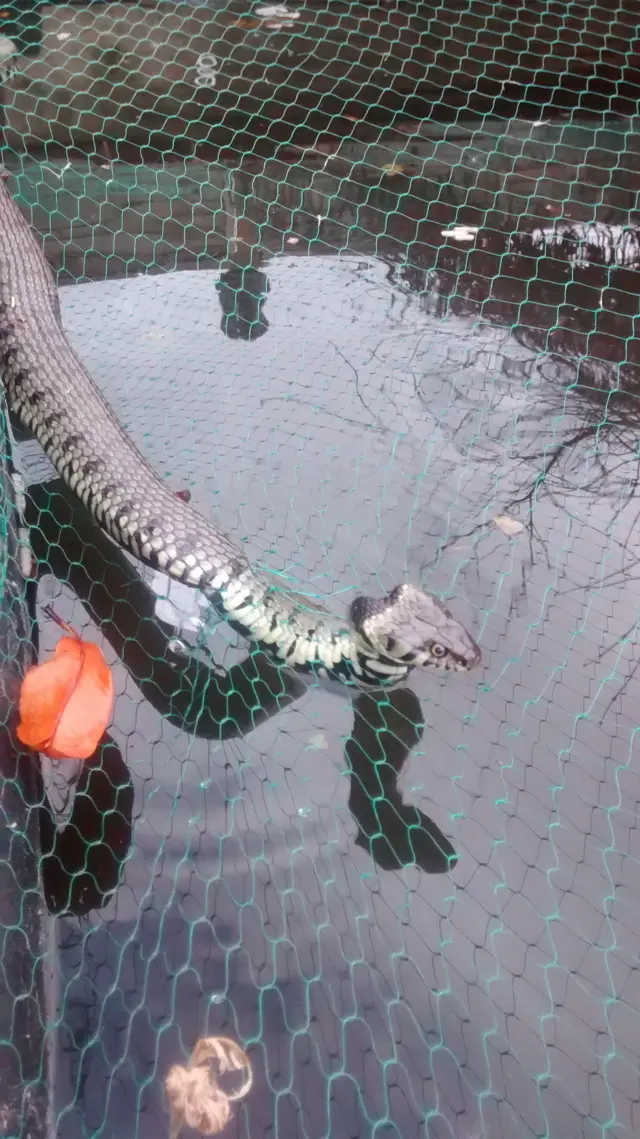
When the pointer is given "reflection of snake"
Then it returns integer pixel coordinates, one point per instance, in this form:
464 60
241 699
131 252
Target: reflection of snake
51 392
81 864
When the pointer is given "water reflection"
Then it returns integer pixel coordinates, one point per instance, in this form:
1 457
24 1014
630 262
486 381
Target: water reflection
242 288
477 229
83 861
597 242
396 833
570 296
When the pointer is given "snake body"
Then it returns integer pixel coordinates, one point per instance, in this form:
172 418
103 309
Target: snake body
51 392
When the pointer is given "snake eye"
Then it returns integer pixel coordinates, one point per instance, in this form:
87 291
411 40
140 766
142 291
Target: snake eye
438 651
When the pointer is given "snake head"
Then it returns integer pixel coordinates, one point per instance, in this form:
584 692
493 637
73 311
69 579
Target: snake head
415 629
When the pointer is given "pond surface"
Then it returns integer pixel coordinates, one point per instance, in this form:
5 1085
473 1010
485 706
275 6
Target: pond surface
367 357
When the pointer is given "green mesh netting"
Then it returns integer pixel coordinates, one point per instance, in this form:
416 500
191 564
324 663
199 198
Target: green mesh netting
396 348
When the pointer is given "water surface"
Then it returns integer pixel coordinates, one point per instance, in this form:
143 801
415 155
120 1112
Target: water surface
411 353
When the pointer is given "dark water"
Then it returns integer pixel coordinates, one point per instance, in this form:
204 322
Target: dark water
356 392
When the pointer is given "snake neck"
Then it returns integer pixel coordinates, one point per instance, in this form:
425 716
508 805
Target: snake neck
308 640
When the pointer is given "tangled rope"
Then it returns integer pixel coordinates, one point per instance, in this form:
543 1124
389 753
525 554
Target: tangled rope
195 1097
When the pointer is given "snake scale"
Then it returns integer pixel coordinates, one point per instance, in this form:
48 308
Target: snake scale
51 392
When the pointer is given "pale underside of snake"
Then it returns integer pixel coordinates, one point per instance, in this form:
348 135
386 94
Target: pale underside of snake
52 394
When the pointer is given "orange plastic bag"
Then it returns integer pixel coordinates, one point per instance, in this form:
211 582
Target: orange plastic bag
67 702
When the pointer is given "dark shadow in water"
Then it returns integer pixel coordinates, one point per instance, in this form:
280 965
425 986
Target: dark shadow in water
242 291
395 833
82 861
209 704
243 287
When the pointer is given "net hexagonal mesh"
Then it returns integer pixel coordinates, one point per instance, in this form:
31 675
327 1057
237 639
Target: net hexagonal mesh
379 327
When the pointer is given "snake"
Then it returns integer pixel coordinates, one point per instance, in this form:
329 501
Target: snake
50 392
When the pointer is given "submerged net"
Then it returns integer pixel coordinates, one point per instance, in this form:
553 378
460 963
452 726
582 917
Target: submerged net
396 348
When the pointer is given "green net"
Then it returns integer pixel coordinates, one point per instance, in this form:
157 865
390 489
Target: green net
401 344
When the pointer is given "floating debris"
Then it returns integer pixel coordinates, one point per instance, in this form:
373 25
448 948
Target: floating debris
509 526
276 11
460 232
195 1096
